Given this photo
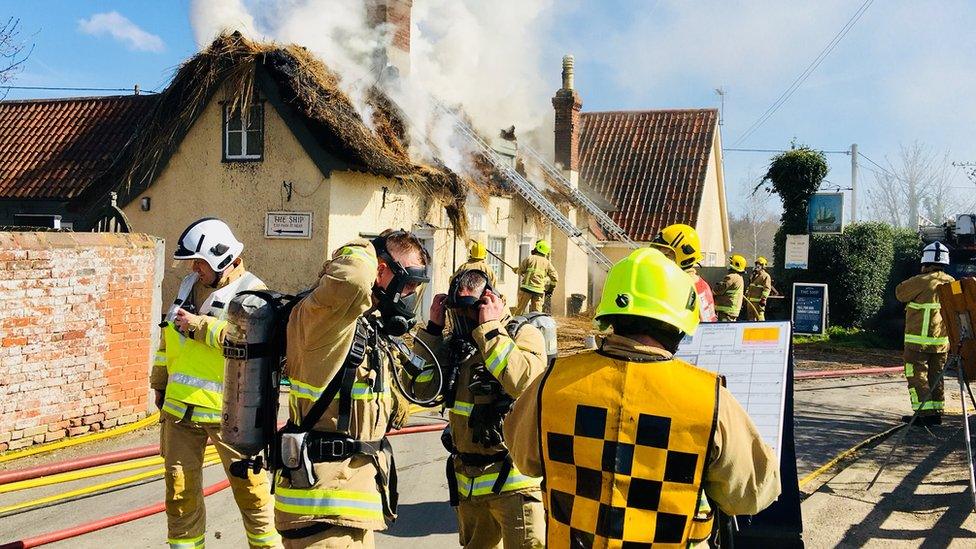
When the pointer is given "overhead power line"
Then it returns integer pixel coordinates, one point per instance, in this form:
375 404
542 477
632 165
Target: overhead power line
785 96
847 152
65 88
879 166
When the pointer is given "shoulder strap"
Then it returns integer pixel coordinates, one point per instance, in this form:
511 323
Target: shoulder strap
357 352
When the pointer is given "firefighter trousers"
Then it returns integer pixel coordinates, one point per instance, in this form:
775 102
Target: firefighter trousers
534 302
726 317
511 521
182 445
335 537
925 386
757 314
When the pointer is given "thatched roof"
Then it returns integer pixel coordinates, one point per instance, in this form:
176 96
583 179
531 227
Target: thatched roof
309 89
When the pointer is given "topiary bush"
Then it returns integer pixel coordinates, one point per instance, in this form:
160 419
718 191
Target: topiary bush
856 266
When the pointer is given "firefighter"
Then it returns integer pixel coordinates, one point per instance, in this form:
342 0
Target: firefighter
728 292
494 358
187 376
477 253
926 341
681 243
340 401
630 439
538 279
760 286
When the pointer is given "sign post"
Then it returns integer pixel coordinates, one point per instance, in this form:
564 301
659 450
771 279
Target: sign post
288 225
809 312
797 251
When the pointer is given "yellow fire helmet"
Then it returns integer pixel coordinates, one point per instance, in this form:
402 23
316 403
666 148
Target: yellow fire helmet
646 283
543 247
683 239
761 261
477 250
737 263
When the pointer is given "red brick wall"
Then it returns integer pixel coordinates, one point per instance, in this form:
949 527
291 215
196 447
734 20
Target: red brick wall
395 13
76 324
567 105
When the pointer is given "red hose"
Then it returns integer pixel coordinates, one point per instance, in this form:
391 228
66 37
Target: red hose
15 475
89 527
847 373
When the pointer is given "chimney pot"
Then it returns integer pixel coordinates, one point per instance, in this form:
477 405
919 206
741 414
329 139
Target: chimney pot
568 62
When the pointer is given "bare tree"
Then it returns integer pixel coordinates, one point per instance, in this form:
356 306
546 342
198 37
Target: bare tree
918 184
14 51
753 230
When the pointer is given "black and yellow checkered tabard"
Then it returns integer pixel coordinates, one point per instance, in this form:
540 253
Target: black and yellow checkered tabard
624 446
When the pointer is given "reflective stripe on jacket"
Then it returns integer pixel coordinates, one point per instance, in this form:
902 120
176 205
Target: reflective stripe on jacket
760 286
537 274
924 329
728 294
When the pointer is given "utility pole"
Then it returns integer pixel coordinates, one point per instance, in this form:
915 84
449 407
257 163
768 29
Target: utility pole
853 182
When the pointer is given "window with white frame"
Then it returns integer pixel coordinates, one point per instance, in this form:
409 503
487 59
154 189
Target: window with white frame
496 245
244 135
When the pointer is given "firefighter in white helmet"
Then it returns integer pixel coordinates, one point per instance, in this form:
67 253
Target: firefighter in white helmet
187 376
926 341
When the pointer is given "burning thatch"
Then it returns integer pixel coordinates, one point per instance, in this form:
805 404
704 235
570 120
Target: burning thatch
306 85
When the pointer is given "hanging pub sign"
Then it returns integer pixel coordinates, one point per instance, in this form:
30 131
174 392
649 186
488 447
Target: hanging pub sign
826 213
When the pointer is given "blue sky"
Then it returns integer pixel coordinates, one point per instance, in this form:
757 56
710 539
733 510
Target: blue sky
905 72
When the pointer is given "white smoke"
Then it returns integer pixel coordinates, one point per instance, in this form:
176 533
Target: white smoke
484 57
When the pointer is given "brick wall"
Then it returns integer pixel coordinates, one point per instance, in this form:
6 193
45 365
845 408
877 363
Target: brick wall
567 105
76 331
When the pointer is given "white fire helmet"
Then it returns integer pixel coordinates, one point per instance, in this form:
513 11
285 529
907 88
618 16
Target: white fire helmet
211 240
935 253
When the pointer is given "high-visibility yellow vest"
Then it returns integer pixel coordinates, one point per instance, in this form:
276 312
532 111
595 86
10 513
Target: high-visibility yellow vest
196 369
624 446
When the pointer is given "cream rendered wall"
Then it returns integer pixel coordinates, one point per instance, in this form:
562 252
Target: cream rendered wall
712 226
195 183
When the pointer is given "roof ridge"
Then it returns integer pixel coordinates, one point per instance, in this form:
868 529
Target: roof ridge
649 111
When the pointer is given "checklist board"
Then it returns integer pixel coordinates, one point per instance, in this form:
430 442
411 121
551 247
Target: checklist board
753 357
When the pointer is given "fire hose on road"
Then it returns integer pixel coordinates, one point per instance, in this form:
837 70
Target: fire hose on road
108 522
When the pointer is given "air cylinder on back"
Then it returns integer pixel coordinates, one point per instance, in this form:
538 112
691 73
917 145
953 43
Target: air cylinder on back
251 372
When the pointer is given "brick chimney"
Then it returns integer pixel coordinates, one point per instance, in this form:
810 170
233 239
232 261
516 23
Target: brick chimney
567 104
394 16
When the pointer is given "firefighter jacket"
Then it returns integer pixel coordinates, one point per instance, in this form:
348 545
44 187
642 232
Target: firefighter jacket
760 285
190 367
706 301
354 492
924 330
628 438
476 265
515 364
728 294
537 274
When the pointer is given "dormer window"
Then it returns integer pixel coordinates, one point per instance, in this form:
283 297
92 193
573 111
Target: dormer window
244 135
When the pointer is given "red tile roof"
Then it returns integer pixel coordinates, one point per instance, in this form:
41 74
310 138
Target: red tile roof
651 164
55 148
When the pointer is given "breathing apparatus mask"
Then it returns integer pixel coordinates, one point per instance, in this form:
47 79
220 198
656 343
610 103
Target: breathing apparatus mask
459 305
398 311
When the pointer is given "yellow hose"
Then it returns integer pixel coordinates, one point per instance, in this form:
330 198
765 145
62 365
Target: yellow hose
90 472
72 441
94 488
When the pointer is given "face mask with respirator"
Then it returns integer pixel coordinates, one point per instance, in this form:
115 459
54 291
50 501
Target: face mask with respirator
458 303
397 311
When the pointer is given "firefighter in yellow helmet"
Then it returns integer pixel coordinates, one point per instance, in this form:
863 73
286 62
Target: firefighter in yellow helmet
494 357
681 243
598 426
926 339
760 286
728 292
537 279
350 490
187 376
477 254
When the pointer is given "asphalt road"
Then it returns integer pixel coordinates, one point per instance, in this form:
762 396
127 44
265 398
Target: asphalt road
831 415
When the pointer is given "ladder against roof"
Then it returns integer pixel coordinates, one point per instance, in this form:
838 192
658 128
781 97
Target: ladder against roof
528 191
579 198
